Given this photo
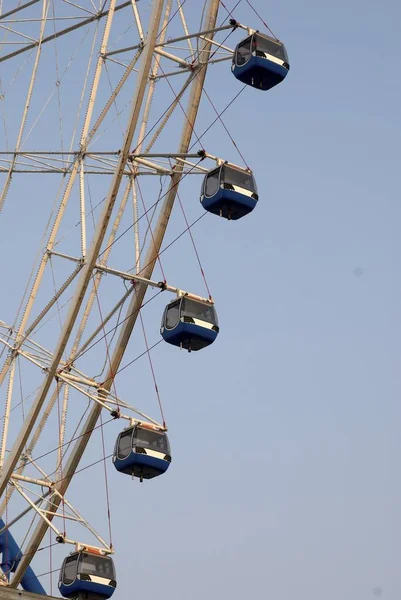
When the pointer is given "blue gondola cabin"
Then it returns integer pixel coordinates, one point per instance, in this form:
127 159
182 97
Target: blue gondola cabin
229 192
85 576
142 451
260 61
189 324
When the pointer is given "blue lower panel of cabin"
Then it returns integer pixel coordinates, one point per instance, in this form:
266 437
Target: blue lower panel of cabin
189 336
141 465
260 73
83 589
229 204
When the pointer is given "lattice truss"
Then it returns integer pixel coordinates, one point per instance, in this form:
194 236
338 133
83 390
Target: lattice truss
101 97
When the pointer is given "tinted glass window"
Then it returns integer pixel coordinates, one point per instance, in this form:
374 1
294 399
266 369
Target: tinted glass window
243 52
212 182
125 444
70 569
173 315
154 440
101 566
199 310
268 46
243 179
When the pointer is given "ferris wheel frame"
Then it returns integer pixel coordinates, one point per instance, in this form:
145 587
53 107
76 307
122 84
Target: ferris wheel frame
88 269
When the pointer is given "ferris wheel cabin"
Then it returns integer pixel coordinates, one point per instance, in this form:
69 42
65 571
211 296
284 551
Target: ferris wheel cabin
142 452
229 192
87 576
260 61
190 324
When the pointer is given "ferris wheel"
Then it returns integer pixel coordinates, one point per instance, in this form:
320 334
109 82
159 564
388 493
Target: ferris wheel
99 109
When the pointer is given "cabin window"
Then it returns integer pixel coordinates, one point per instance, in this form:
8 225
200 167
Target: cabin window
173 315
203 186
212 183
70 570
125 444
242 179
199 310
267 46
145 438
243 52
100 566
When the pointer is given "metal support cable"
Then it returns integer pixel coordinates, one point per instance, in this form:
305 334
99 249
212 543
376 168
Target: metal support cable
152 370
194 246
225 127
150 230
258 15
106 482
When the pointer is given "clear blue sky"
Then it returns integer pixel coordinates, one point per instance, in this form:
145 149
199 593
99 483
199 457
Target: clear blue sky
285 433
